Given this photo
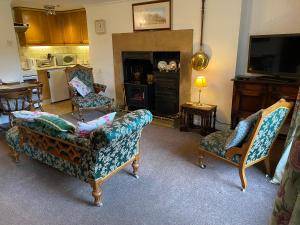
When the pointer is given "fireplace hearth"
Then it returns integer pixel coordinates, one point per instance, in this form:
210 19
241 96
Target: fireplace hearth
148 87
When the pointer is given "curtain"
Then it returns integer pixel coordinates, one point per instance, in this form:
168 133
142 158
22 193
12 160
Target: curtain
287 204
288 144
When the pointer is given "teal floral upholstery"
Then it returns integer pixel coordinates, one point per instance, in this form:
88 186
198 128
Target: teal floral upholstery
107 148
92 100
266 134
82 76
287 204
215 143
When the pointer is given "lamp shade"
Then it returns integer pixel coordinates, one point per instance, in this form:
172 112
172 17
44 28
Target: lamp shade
200 82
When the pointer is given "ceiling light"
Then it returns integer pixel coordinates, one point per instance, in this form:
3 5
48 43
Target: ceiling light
50 9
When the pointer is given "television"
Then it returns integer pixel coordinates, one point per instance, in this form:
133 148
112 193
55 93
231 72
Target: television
275 55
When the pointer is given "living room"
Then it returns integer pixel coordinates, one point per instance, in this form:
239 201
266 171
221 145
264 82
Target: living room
172 188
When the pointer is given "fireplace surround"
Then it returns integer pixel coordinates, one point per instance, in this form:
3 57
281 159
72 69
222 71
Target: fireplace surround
154 41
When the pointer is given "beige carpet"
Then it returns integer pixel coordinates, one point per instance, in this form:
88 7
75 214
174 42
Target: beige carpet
172 189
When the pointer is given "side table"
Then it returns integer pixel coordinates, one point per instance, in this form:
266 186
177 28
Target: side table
207 114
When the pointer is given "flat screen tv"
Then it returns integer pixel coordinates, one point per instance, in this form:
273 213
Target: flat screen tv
275 55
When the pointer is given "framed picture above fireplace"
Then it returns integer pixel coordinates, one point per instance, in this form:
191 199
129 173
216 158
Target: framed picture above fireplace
154 15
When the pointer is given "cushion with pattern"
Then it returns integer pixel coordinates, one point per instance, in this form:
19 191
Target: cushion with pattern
56 123
80 87
242 131
84 129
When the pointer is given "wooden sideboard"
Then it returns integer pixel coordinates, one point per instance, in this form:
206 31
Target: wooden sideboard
253 94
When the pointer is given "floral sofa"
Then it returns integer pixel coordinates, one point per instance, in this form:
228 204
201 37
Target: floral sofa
93 159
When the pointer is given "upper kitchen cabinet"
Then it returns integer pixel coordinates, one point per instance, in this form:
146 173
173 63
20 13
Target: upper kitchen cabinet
55 28
74 24
64 28
37 33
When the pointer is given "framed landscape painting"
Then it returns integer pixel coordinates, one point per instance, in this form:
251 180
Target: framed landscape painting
154 15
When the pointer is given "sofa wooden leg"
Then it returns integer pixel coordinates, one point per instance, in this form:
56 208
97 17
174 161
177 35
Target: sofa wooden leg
201 164
136 165
97 192
243 178
267 166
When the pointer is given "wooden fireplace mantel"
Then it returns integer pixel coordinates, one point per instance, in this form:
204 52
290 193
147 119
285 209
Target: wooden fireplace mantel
169 40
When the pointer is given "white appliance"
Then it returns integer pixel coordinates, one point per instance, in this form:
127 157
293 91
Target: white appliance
65 59
58 85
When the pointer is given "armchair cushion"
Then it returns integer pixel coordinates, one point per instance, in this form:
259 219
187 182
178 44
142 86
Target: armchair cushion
91 100
242 131
215 143
80 87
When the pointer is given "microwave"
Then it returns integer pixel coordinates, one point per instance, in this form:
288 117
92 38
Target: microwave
66 59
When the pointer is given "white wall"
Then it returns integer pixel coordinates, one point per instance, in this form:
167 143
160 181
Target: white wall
266 17
10 68
221 37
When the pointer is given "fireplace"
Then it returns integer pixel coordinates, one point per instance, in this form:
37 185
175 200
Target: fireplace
148 87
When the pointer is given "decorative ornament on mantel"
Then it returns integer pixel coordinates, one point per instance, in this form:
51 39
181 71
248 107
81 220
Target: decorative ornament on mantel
200 59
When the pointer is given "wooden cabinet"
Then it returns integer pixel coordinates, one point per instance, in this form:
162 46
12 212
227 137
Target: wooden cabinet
64 28
37 33
73 27
55 27
251 95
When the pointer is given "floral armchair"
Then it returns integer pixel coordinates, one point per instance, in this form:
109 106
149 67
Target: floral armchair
255 149
94 100
92 160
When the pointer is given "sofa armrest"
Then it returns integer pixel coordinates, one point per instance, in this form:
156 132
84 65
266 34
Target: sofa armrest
99 87
121 128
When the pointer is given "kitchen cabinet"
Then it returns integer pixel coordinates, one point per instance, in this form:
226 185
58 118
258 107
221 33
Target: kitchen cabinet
64 28
37 33
55 27
72 27
43 78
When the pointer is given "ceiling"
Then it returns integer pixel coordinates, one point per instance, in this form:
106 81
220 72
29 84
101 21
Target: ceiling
63 4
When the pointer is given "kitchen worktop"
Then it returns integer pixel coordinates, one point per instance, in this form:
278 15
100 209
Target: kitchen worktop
55 67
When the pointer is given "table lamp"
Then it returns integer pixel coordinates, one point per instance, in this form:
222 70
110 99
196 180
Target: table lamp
200 82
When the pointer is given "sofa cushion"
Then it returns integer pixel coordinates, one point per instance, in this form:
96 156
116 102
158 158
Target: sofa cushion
242 131
80 87
215 143
29 116
84 129
56 123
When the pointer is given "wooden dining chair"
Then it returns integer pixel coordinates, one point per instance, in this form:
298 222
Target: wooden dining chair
15 101
37 94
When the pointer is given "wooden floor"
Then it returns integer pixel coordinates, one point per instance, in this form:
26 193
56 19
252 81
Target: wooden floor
58 108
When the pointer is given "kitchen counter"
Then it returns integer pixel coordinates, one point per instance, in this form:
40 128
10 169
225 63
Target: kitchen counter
58 67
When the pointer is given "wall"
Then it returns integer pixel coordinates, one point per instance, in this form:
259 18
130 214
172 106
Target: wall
221 36
266 17
9 58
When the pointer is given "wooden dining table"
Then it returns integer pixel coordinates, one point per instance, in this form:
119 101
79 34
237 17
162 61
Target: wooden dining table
17 87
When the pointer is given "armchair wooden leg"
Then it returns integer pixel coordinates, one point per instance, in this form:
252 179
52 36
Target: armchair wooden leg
97 192
243 178
135 166
201 164
267 166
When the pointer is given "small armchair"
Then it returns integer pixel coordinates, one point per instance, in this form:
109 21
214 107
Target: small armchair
253 150
93 100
